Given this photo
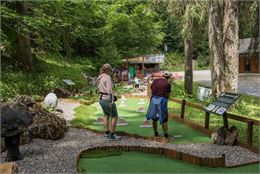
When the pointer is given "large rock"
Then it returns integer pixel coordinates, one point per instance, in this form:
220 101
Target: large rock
14 119
25 138
62 93
225 136
48 127
3 147
44 124
51 101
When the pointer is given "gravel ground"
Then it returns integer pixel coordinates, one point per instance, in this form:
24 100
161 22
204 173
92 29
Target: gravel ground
60 156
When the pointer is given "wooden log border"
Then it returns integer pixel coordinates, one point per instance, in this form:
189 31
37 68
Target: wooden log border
170 153
181 118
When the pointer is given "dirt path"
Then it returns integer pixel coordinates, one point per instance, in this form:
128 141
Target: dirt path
68 108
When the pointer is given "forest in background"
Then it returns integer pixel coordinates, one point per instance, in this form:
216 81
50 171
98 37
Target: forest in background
43 42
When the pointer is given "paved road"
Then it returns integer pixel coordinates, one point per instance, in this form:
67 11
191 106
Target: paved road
248 83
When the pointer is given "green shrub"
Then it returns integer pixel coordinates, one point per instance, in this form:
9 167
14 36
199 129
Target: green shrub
49 71
202 62
173 62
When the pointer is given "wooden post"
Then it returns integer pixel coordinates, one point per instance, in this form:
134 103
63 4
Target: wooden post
149 91
250 133
10 168
183 102
225 120
207 114
223 160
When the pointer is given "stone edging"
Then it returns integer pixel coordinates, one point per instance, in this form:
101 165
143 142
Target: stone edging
172 154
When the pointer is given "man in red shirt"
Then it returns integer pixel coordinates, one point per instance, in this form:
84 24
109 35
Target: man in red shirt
158 109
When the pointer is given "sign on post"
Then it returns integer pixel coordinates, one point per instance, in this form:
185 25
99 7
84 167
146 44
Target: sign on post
223 102
68 82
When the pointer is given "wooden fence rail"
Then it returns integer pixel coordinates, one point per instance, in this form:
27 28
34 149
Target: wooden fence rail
250 122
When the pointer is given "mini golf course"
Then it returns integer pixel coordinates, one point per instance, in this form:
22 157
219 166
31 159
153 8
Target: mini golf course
134 162
86 115
116 161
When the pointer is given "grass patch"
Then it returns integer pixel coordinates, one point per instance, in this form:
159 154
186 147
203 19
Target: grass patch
100 153
246 106
83 116
86 114
134 162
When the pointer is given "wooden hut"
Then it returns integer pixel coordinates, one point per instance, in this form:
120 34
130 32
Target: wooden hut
145 63
248 62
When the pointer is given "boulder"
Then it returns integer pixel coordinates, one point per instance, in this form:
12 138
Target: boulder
25 99
225 136
48 127
43 124
51 101
14 119
3 147
25 138
62 93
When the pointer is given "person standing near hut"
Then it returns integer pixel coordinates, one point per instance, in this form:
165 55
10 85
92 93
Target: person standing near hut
158 109
131 71
107 101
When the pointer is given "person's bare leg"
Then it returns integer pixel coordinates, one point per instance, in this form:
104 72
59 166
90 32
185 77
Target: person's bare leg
165 129
113 124
155 128
106 123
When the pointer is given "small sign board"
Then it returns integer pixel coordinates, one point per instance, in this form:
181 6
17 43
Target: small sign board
222 103
68 82
155 58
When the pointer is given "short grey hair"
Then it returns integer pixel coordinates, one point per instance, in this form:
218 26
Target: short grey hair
105 68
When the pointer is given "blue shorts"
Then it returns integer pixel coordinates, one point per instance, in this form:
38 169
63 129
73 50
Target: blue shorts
158 109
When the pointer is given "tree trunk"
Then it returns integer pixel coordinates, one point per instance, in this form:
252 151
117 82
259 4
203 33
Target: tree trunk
216 47
23 50
188 64
231 41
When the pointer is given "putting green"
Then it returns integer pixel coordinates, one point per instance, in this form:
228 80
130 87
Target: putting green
85 115
135 162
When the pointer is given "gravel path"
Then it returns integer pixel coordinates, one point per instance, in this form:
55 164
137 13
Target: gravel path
60 156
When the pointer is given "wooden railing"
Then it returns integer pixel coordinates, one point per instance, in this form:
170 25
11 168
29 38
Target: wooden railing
250 122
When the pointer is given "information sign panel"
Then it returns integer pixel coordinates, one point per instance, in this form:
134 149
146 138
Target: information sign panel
68 82
223 102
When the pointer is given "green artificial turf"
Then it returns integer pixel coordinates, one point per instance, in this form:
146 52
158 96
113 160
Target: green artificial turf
101 154
85 115
134 162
